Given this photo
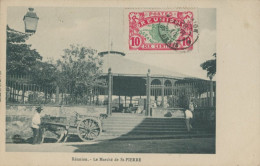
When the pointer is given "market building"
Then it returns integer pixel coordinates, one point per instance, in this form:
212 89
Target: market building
136 87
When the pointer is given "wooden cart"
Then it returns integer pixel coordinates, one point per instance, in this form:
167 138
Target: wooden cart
60 128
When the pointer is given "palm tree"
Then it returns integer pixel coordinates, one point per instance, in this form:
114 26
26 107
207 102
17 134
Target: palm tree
210 66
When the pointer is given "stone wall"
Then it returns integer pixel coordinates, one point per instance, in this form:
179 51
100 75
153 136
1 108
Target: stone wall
205 114
18 117
164 112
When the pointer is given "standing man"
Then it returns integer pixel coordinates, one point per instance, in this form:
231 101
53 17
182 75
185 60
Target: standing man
191 106
36 121
188 117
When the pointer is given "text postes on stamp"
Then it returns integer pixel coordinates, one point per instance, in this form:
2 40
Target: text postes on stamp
162 30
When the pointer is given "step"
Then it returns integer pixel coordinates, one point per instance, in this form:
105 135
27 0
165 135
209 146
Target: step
148 137
150 129
145 127
138 132
147 119
127 126
143 122
154 132
144 117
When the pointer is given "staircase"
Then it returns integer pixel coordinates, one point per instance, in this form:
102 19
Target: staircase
132 126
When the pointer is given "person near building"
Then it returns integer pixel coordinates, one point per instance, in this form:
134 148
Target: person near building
191 106
36 122
188 117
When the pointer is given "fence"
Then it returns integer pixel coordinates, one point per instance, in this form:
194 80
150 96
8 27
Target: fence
20 89
179 94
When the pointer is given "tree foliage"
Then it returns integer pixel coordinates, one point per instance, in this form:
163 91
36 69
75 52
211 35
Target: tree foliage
19 55
210 66
45 74
79 69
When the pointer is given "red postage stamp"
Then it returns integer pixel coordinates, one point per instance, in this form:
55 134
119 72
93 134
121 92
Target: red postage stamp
161 30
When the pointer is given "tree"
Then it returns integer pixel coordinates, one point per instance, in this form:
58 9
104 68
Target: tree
80 68
210 66
20 58
44 74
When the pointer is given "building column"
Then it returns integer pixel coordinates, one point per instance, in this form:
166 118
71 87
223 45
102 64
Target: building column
163 92
211 93
173 96
109 106
148 93
125 104
57 95
119 101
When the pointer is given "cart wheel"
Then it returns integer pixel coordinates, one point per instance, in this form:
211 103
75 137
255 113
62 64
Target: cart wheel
89 129
52 134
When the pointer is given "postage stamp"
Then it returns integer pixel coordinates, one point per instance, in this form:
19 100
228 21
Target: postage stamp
162 30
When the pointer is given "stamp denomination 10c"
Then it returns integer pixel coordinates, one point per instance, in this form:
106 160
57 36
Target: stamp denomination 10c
161 30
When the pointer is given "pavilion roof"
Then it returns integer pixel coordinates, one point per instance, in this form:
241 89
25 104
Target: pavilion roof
130 74
123 66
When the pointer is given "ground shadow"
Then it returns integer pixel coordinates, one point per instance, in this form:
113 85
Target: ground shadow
179 141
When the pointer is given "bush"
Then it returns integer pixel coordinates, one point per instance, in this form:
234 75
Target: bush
168 114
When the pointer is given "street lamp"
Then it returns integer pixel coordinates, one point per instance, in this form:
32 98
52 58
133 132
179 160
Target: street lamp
30 21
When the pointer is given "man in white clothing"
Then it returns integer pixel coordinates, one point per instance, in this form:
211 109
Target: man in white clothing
36 121
188 117
191 106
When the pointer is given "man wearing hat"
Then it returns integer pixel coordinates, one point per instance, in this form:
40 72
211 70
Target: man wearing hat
36 121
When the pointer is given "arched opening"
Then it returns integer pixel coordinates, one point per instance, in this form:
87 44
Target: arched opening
167 83
156 82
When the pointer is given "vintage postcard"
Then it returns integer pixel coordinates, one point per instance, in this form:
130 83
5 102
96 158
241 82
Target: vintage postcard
102 83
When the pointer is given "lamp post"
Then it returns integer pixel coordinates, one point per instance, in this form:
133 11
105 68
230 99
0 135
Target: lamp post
30 21
30 25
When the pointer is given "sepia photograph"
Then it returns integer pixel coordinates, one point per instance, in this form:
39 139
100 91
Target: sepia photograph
135 83
111 80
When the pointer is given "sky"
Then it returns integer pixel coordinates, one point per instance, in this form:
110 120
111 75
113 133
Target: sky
58 27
